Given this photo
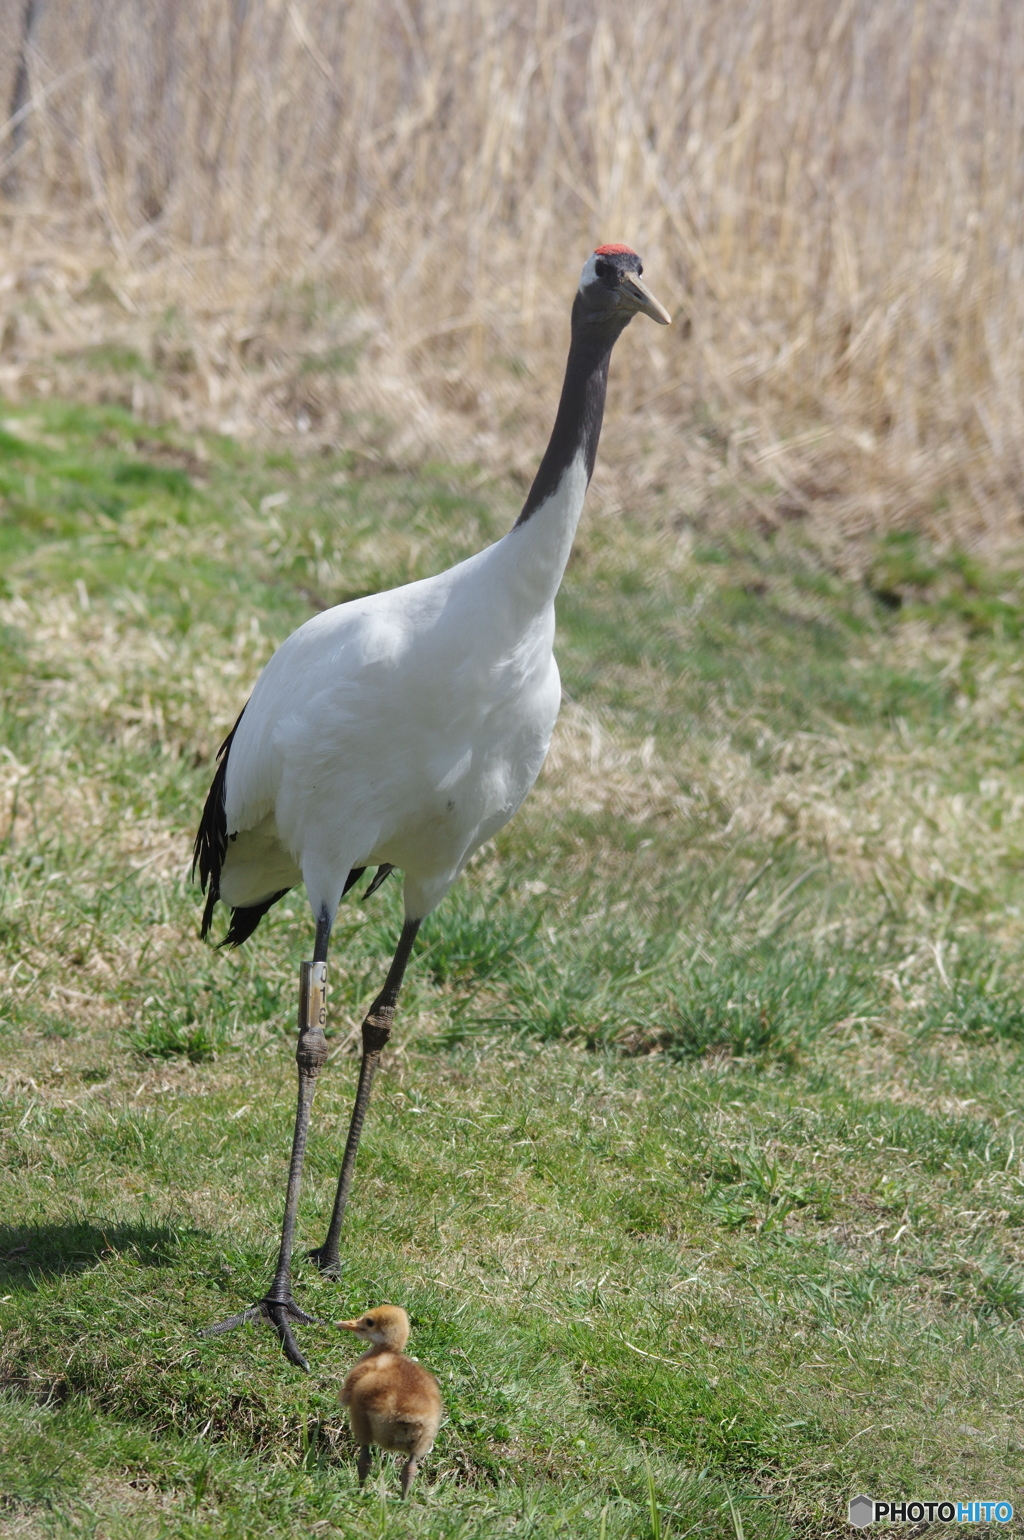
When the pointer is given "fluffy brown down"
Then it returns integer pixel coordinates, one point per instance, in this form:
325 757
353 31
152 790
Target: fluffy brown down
392 1401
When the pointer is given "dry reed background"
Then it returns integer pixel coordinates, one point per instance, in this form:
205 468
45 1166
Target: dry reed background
363 221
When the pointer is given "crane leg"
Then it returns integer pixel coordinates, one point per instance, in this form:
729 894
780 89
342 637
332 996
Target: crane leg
376 1031
277 1305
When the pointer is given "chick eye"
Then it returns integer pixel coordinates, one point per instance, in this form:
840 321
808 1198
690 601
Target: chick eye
368 1321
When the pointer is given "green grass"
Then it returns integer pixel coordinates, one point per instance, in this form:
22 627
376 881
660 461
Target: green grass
697 1156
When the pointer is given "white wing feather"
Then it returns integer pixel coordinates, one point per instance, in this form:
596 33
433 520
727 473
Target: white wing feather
405 727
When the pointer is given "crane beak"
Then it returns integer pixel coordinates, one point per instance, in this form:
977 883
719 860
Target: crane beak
641 301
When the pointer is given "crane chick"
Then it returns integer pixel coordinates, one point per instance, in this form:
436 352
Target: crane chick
392 1401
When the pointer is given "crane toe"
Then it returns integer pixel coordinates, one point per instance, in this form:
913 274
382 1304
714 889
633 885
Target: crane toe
280 1313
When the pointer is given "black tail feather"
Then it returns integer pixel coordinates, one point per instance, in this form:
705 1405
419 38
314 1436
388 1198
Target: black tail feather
378 877
352 878
211 900
245 921
211 844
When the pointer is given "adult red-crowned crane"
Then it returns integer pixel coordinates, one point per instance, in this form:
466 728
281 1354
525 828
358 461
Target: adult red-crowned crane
403 730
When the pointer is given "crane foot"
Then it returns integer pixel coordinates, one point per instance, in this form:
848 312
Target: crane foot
280 1313
327 1260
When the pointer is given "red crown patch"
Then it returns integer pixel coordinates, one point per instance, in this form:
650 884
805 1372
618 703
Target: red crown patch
615 249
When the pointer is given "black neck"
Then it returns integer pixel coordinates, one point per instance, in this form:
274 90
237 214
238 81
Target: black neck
581 408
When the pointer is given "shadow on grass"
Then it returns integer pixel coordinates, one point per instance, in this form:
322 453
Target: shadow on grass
29 1253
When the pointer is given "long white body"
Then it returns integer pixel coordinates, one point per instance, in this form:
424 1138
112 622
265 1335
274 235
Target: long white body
406 727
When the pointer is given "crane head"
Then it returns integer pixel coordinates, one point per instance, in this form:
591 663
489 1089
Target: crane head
612 288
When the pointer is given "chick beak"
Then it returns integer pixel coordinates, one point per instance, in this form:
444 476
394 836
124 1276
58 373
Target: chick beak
348 1325
641 301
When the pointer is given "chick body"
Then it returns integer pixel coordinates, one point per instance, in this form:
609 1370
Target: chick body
392 1401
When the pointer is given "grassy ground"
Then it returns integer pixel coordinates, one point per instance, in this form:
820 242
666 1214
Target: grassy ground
697 1157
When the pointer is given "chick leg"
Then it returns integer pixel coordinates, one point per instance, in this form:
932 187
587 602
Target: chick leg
277 1305
376 1031
363 1463
409 1470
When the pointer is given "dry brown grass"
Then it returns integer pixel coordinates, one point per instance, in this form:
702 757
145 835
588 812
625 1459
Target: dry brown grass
364 221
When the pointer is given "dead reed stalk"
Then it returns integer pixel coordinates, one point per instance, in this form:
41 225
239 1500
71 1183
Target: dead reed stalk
310 211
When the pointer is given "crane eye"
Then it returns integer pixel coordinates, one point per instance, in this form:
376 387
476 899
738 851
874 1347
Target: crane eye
602 269
639 269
